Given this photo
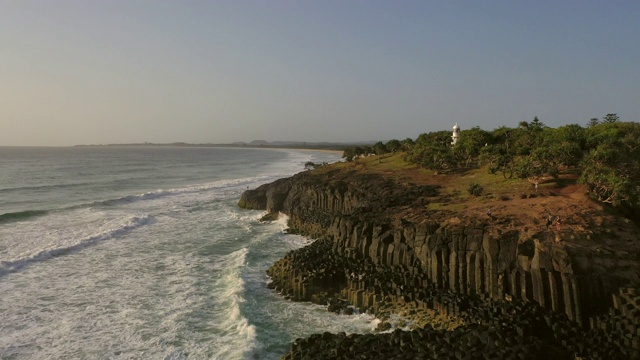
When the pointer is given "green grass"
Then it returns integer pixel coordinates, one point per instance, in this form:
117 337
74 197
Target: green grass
455 187
438 206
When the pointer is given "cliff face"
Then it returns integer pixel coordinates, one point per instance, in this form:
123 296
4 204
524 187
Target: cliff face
373 225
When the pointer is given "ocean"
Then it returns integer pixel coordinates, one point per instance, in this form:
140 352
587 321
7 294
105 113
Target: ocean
142 253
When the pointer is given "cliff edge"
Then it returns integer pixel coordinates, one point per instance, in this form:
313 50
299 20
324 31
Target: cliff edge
538 269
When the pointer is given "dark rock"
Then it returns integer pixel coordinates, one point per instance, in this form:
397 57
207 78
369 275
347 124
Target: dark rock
364 259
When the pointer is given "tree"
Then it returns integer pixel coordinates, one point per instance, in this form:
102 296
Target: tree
541 163
566 144
433 150
593 122
471 142
536 124
379 148
348 154
407 144
610 118
393 145
351 153
611 169
500 153
526 139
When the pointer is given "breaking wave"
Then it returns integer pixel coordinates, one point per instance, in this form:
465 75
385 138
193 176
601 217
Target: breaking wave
43 187
21 215
134 222
152 195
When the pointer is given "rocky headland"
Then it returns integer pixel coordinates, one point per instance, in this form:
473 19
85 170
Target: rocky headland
467 277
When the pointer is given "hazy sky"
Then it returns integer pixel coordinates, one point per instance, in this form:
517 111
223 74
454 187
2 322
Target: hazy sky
82 71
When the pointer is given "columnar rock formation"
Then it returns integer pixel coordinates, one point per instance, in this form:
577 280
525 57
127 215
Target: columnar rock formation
380 244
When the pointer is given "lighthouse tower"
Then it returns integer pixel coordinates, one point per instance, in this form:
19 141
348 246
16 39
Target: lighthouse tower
456 134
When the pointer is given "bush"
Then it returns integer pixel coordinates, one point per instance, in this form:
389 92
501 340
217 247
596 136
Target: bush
475 189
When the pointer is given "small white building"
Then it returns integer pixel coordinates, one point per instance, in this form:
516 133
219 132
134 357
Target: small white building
456 134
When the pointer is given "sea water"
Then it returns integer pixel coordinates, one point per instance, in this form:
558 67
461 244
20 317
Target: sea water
142 253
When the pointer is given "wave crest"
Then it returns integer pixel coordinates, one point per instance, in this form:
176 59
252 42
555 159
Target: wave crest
21 215
43 187
160 193
238 336
134 222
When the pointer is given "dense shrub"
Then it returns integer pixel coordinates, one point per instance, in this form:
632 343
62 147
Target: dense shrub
475 189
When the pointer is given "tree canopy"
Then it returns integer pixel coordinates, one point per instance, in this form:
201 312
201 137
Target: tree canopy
605 154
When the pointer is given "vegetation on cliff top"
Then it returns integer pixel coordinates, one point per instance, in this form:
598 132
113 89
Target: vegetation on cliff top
605 155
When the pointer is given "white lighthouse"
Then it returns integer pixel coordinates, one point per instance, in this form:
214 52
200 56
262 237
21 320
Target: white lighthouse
456 134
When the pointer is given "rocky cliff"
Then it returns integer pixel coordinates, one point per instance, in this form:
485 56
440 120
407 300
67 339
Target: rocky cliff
382 242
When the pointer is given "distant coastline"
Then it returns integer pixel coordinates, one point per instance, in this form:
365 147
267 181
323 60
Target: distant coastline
256 144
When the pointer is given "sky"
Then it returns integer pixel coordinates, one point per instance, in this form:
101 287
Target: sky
128 71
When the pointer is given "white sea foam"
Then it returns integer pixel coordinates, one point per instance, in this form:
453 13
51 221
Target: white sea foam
237 335
228 184
398 322
29 244
283 220
166 273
